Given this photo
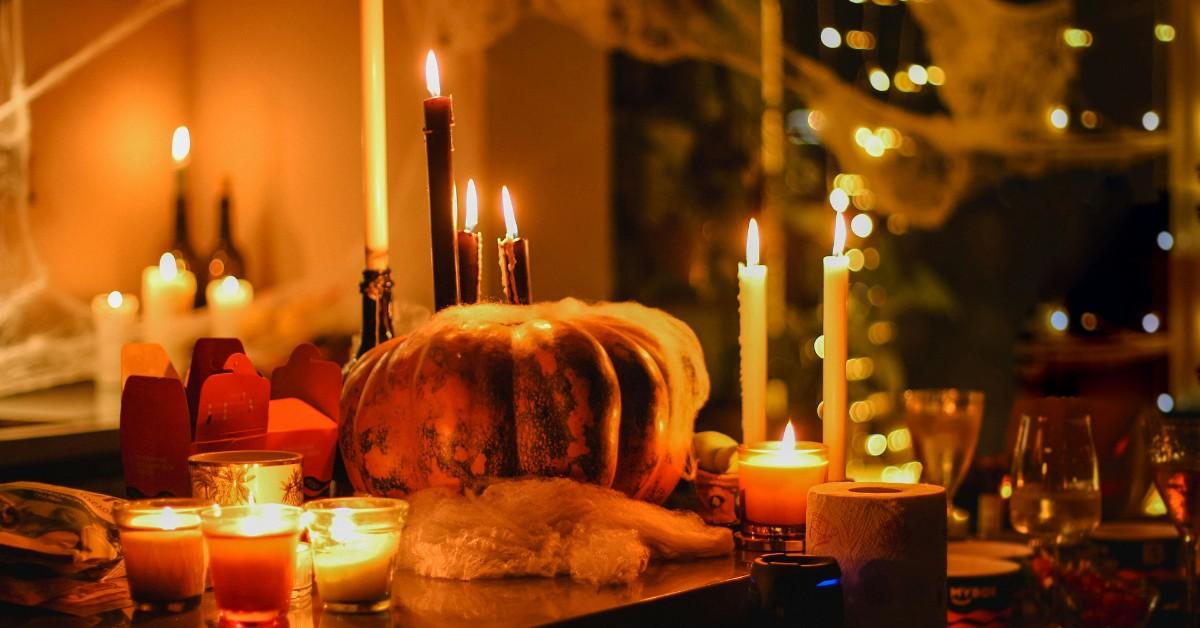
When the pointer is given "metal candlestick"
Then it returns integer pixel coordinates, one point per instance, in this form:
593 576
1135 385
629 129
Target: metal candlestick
376 288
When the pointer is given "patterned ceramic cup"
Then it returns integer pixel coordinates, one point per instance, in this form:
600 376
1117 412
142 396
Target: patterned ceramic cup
233 478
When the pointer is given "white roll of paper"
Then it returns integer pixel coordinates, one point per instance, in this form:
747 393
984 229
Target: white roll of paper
890 542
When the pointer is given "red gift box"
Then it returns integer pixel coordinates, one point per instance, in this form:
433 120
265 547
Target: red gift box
225 405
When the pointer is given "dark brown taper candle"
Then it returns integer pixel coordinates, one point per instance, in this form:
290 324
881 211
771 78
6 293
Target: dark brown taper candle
439 146
514 257
469 245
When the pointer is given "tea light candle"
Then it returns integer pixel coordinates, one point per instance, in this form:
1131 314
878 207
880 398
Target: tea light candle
115 317
252 555
164 551
354 550
228 300
774 478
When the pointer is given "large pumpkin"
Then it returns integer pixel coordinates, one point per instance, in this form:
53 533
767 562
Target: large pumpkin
603 393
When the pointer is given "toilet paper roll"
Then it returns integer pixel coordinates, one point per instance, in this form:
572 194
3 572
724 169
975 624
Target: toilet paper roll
890 542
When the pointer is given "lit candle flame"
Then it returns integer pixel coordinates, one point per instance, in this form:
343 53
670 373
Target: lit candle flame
181 144
115 299
788 441
839 235
510 218
752 246
168 267
169 519
341 529
471 220
229 285
433 81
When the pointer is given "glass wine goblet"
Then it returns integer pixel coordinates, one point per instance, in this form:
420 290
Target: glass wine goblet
945 429
1175 456
1055 474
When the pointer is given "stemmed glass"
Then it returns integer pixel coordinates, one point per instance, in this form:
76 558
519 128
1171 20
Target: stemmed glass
1056 477
945 427
1056 482
1175 456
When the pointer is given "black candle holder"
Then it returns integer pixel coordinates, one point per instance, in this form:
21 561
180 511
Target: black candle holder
376 289
795 590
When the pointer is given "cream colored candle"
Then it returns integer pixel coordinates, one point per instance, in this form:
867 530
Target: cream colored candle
115 318
357 566
167 294
752 339
374 141
833 371
164 551
774 478
228 300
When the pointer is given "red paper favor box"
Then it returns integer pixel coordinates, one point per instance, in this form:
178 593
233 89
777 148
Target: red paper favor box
224 405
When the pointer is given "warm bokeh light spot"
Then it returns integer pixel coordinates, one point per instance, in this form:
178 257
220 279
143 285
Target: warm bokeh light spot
181 144
879 80
830 37
168 267
1059 118
115 299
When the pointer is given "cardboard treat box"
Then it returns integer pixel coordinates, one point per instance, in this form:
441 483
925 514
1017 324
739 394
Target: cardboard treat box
225 405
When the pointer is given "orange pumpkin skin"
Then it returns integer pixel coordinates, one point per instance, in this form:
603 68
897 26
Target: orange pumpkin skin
604 393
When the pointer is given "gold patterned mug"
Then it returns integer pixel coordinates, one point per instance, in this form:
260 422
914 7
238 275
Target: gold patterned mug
232 478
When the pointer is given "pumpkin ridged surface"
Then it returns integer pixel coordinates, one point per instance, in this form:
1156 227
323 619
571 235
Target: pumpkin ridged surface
604 393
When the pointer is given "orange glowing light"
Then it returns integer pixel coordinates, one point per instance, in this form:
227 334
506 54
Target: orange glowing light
752 245
1006 487
839 234
181 144
789 437
510 217
168 268
472 218
433 81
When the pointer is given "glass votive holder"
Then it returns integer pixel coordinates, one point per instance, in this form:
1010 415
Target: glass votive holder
252 557
164 552
773 482
235 478
303 582
354 542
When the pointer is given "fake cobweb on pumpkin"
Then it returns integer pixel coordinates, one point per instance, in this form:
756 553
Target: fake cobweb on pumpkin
993 122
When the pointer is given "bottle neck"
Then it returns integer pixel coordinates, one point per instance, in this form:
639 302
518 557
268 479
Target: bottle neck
226 222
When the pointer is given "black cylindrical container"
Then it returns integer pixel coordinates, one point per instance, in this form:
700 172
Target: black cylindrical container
795 590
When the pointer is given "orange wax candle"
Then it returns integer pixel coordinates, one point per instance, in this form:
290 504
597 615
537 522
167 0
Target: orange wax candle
164 551
252 557
774 478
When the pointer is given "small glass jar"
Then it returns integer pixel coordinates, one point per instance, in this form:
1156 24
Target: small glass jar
252 555
354 543
164 552
773 482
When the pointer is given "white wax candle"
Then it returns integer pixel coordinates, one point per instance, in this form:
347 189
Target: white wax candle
115 318
374 143
354 566
833 370
164 556
167 294
752 339
228 300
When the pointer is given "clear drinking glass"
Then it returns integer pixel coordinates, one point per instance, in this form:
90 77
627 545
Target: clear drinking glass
1175 456
1055 474
945 429
354 543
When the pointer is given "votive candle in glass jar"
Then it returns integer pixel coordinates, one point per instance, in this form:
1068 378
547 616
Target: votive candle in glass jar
354 544
164 552
252 557
774 478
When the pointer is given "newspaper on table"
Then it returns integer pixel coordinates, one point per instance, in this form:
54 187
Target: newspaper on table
59 548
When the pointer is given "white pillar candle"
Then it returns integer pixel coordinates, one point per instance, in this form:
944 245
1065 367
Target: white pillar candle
115 318
752 339
833 370
228 300
168 293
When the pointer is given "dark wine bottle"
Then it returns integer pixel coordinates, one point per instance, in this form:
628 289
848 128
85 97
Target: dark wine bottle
225 258
181 248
